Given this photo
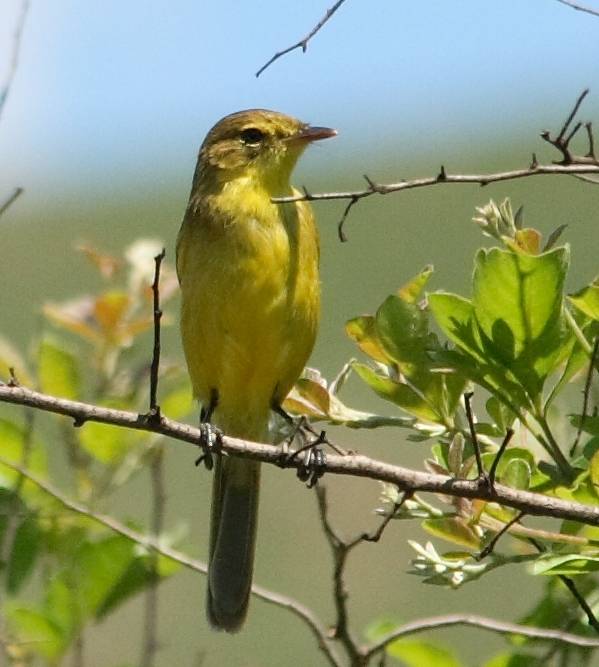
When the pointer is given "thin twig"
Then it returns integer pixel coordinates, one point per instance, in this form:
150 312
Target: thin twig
150 643
482 622
10 200
482 475
579 8
355 465
586 395
303 43
154 412
570 164
16 49
493 469
150 543
571 586
491 546
340 551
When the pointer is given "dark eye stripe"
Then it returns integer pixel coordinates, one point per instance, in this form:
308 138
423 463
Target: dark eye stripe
252 136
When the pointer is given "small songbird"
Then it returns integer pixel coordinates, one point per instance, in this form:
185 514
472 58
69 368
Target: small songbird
248 269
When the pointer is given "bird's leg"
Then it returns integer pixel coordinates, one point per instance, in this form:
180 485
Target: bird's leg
314 464
210 436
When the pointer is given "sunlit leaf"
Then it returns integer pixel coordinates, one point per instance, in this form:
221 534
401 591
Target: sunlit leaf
33 628
517 302
362 331
106 443
565 564
516 474
454 530
412 290
58 370
587 300
11 358
422 653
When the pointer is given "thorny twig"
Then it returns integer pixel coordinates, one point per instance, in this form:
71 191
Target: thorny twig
355 465
303 43
570 164
341 549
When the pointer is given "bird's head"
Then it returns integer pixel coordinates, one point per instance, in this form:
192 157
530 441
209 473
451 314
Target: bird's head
258 144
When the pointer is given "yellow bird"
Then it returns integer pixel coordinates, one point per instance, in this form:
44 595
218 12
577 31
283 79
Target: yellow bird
248 270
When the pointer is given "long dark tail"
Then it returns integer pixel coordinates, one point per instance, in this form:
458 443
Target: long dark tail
232 541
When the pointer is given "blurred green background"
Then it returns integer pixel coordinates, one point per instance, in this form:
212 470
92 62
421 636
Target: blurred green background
101 128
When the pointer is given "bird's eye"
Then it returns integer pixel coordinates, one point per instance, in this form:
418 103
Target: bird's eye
252 136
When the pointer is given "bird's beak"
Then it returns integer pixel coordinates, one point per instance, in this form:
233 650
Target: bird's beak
312 133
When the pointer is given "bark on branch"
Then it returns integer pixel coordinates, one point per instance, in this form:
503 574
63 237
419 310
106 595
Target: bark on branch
354 465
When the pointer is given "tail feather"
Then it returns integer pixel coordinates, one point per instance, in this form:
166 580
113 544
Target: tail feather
232 541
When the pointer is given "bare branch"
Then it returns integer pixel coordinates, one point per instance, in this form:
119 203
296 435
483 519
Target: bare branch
16 49
579 8
303 43
152 544
482 622
354 465
10 200
569 165
154 412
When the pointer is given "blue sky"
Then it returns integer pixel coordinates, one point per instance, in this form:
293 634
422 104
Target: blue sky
130 88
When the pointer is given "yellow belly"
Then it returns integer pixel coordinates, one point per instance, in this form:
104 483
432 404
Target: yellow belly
250 309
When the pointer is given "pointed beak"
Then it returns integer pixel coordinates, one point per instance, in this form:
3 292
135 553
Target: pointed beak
312 133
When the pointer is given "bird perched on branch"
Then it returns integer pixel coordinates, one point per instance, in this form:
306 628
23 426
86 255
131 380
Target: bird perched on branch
248 269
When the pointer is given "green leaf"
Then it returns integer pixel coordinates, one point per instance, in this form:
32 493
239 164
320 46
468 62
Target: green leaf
106 443
420 653
34 629
25 549
587 300
511 660
402 328
138 576
565 564
99 566
403 395
363 332
177 403
58 370
453 529
455 317
15 440
516 474
517 301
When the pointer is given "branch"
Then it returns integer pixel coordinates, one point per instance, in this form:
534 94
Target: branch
579 8
154 412
570 164
354 465
16 48
341 549
152 544
303 43
435 622
10 200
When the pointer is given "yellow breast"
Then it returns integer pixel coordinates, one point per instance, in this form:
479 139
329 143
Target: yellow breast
250 300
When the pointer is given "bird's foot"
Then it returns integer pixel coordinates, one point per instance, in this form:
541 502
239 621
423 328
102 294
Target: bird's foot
211 439
313 466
